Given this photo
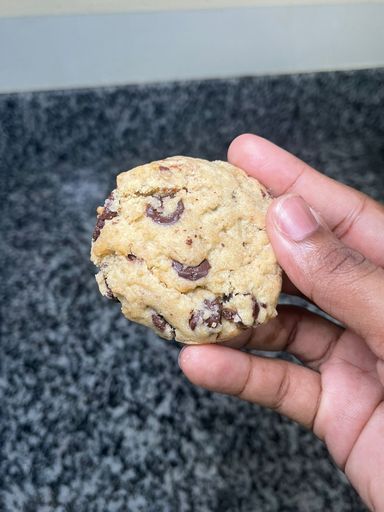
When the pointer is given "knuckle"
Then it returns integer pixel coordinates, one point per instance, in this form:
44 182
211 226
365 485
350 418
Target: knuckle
349 221
337 265
283 389
340 260
243 390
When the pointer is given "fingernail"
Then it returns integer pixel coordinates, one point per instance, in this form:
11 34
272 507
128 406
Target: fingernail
295 219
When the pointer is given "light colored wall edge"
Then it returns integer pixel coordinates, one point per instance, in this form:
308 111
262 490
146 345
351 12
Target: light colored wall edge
81 51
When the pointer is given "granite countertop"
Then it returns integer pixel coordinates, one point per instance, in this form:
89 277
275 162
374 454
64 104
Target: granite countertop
95 414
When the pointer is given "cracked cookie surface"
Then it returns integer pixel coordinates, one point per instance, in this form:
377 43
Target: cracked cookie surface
181 243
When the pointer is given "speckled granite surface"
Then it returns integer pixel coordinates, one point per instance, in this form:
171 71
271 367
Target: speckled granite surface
94 412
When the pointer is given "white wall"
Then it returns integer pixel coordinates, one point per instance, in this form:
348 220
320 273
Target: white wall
49 7
48 52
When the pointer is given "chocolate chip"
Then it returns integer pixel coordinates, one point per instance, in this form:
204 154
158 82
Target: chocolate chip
191 273
168 167
227 297
229 314
255 308
133 257
157 214
213 309
106 214
188 241
161 324
109 293
194 319
232 315
265 193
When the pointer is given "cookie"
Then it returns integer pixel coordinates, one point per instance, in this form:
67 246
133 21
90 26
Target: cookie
181 243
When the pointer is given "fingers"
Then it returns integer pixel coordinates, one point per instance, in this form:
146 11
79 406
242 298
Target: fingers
285 387
354 217
338 279
307 336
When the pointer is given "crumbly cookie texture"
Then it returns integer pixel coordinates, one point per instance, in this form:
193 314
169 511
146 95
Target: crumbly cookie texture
181 243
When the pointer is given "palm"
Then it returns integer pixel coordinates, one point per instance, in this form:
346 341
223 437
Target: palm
352 421
339 390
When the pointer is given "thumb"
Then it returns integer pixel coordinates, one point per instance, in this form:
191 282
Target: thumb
340 280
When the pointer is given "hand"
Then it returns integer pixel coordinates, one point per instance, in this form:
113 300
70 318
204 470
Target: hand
329 239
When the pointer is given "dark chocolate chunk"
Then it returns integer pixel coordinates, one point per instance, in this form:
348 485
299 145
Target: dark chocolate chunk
157 214
168 167
232 315
191 273
255 308
109 293
265 193
227 297
133 257
229 314
106 214
161 324
194 319
214 308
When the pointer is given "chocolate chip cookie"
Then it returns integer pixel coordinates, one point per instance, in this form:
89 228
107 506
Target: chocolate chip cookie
181 243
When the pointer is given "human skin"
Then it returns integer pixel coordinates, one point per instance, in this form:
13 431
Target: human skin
329 240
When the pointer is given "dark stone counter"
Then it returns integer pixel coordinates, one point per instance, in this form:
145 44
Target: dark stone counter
94 413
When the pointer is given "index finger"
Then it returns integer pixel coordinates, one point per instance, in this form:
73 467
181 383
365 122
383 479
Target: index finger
354 217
